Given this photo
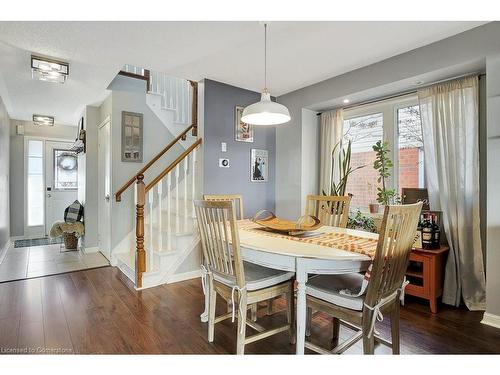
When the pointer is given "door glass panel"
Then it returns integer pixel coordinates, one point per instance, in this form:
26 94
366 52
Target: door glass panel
363 132
65 170
35 183
411 148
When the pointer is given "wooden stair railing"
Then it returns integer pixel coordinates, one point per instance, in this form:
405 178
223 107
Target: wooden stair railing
118 194
142 189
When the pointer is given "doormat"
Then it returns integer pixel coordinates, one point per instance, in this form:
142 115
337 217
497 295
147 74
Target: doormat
37 242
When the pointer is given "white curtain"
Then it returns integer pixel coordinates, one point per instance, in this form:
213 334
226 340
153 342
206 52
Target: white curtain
449 113
331 134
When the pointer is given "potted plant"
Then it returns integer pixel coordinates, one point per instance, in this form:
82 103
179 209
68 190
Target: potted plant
374 207
361 222
383 164
343 161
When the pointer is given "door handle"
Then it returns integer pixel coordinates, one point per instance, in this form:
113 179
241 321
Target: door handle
48 195
106 198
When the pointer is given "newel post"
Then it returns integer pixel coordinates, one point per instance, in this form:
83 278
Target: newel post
140 258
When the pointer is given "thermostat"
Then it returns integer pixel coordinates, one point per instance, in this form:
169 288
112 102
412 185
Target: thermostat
223 163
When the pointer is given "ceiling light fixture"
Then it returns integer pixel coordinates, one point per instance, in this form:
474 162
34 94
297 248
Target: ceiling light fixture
43 120
346 101
49 70
265 112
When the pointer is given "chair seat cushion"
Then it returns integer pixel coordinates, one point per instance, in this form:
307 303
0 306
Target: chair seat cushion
328 287
256 277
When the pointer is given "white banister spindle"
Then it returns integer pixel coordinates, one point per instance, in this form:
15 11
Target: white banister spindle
135 194
149 248
193 179
169 204
159 207
185 211
177 191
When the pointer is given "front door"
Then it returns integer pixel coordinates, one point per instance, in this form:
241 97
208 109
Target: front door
104 189
61 180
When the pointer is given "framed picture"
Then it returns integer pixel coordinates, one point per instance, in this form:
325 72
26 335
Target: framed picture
242 132
259 165
132 137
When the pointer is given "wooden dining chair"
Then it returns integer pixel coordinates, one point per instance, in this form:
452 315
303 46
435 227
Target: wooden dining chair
236 198
329 209
233 279
341 296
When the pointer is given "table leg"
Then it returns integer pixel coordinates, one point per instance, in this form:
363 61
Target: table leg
206 290
301 277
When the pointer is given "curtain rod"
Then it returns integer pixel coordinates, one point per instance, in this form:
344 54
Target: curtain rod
403 93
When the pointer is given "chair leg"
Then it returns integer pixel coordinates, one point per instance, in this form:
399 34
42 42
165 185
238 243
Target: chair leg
269 307
254 309
395 328
309 314
211 312
242 323
291 314
335 331
368 343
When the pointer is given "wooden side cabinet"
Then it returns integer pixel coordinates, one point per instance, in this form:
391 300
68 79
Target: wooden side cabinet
426 274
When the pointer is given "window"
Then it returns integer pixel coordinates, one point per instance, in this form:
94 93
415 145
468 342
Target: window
65 170
35 183
396 121
411 148
363 132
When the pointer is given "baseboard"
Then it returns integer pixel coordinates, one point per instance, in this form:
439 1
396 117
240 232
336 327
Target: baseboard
89 250
491 320
178 277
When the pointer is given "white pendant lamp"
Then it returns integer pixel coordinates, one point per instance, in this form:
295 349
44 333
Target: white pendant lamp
265 112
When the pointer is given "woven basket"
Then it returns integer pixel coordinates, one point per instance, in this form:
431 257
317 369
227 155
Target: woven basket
70 241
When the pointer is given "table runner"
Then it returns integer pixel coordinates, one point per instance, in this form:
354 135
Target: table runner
342 241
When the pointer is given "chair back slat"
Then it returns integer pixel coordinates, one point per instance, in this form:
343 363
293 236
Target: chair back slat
395 242
330 210
219 238
236 198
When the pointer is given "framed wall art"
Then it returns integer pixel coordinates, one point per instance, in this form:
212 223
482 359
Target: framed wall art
132 137
259 165
243 132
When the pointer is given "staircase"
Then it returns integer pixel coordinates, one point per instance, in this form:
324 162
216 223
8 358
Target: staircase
168 97
166 232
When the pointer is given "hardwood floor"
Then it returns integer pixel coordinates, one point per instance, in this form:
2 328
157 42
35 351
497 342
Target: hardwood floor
98 311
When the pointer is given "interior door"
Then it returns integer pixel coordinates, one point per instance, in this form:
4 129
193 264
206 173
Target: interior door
61 180
104 189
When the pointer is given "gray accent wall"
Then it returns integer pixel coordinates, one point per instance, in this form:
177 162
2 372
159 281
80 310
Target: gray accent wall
4 177
220 101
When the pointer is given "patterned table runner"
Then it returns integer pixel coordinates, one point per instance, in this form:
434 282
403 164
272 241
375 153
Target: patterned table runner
342 241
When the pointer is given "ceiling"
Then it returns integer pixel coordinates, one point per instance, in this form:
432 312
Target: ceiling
299 54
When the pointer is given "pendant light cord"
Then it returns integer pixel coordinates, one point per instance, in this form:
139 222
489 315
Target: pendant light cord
265 57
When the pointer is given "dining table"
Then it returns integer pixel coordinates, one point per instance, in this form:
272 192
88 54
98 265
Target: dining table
304 256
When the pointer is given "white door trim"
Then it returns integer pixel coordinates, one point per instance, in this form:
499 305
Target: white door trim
106 120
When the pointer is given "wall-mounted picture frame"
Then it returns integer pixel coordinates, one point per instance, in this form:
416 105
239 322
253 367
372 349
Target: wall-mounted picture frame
243 132
259 165
132 137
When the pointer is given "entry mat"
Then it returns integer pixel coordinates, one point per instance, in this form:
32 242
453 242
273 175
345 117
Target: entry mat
37 242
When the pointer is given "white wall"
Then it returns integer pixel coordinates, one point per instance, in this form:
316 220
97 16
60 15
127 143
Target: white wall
87 176
493 187
60 132
4 177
